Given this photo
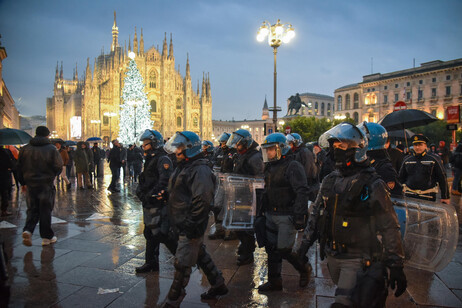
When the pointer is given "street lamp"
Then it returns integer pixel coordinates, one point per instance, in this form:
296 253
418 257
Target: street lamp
95 122
134 104
110 115
277 34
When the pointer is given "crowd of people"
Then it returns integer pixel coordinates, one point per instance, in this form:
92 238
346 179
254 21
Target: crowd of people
348 175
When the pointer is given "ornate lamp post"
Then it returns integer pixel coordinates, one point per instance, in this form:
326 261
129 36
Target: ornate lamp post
277 34
110 115
95 122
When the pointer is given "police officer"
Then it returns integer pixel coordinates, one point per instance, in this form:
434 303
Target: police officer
285 200
207 150
223 156
152 193
421 171
352 207
248 161
191 189
306 158
378 155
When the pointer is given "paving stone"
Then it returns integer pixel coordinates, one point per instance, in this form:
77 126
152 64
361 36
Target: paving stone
88 297
451 276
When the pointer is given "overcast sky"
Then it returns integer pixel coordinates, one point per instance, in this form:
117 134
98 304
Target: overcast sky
333 47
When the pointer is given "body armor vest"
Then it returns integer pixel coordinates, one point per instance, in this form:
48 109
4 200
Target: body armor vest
242 163
281 197
348 216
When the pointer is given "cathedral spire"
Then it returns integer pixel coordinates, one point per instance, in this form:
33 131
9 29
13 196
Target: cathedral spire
57 73
76 77
170 50
188 73
164 47
115 35
135 43
129 46
88 72
61 72
198 87
141 43
265 111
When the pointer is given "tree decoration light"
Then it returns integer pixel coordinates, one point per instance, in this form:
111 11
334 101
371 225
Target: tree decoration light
135 112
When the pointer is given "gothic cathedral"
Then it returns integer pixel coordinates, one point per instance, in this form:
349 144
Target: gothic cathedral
90 107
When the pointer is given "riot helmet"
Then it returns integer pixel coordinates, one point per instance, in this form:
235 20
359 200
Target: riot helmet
353 139
277 141
295 139
376 135
207 146
157 141
240 137
188 142
223 138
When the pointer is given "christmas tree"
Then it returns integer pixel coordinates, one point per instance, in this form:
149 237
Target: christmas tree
135 112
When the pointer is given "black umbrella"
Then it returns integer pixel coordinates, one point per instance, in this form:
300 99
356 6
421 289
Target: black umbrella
11 136
400 134
70 143
408 118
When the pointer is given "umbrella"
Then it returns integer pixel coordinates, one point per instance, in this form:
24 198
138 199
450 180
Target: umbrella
94 139
11 136
407 118
70 143
399 134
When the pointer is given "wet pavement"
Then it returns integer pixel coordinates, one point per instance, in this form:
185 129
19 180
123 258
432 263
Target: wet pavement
100 242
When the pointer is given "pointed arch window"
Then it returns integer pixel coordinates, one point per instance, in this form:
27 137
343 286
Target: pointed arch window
153 106
195 122
152 79
179 104
178 122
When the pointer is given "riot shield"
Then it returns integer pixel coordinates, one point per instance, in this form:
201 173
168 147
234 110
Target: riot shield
240 201
220 194
430 232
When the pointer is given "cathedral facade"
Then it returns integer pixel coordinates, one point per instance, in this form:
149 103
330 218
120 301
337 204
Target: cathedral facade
82 108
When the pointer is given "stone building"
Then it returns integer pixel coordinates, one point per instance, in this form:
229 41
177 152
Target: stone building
86 107
317 105
9 115
432 87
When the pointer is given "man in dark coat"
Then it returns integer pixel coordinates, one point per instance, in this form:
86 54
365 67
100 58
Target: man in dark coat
152 191
98 155
6 165
191 189
115 162
39 164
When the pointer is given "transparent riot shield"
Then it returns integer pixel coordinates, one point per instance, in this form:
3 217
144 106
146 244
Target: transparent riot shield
430 232
240 201
220 194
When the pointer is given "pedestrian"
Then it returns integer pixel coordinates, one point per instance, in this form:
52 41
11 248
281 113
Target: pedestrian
98 155
39 164
378 155
443 152
421 171
6 166
115 163
14 154
82 165
65 158
70 163
191 189
91 165
152 191
306 158
396 155
284 206
353 207
456 162
130 160
123 157
248 161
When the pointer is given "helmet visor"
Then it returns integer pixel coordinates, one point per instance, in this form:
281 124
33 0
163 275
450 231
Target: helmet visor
345 133
234 140
177 142
271 152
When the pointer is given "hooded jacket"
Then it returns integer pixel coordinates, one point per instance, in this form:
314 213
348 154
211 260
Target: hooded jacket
39 162
81 159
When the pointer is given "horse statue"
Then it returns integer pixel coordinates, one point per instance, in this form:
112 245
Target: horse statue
295 105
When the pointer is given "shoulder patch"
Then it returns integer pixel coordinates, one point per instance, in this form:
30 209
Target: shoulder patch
166 166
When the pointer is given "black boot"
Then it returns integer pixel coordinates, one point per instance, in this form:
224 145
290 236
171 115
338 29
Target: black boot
213 292
214 276
274 278
303 269
177 289
147 267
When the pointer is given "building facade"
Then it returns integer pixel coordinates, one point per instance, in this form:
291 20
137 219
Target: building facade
432 87
9 115
90 106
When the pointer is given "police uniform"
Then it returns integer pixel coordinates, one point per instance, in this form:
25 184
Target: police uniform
153 180
384 168
285 197
248 163
420 173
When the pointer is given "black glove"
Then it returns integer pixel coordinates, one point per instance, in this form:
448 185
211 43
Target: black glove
299 221
397 277
303 249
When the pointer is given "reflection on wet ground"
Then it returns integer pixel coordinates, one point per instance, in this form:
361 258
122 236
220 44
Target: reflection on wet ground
100 242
